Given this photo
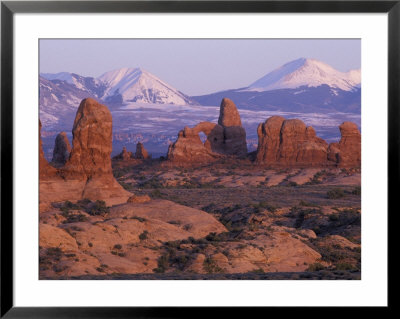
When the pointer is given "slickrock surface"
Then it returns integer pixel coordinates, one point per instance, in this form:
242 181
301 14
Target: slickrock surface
141 152
62 149
125 240
228 137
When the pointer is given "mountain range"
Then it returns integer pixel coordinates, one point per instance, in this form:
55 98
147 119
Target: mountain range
143 104
302 85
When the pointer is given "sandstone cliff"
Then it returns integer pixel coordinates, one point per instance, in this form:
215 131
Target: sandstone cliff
289 142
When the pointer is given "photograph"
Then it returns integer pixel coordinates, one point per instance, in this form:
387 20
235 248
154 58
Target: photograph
199 159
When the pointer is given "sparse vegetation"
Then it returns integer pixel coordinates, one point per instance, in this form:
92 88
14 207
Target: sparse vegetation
335 193
144 235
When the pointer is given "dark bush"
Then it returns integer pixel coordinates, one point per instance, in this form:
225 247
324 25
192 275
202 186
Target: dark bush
335 193
144 235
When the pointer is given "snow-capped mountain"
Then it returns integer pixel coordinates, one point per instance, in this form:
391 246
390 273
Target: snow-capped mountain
61 93
138 85
307 72
302 85
87 84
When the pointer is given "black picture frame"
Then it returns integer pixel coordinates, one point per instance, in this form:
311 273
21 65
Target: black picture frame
9 8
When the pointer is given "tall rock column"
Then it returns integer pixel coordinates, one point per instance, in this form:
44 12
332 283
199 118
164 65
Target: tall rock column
62 149
347 153
234 133
92 141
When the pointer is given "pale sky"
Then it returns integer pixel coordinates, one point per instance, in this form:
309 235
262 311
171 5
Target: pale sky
195 66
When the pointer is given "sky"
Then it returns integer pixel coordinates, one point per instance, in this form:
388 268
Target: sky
194 66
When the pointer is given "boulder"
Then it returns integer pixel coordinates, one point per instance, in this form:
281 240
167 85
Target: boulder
139 199
62 149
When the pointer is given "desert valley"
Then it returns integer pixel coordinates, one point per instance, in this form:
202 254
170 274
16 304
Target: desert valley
212 210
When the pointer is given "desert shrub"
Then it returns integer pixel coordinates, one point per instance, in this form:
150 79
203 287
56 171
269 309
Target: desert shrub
162 263
315 267
153 182
156 194
98 208
334 217
144 235
307 204
293 184
345 266
73 218
257 271
259 207
316 179
211 267
188 227
126 186
117 246
174 222
356 191
141 219
335 193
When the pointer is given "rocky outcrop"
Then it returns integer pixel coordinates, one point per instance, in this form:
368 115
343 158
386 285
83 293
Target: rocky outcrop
227 138
92 141
124 155
228 114
61 151
141 152
87 173
289 142
189 148
347 153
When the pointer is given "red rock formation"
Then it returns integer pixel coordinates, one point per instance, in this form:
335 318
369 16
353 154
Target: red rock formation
92 141
188 148
227 137
88 172
62 149
45 170
141 152
347 153
289 142
124 155
228 114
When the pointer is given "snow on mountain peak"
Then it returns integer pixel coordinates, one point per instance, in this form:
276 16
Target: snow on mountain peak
307 72
138 85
